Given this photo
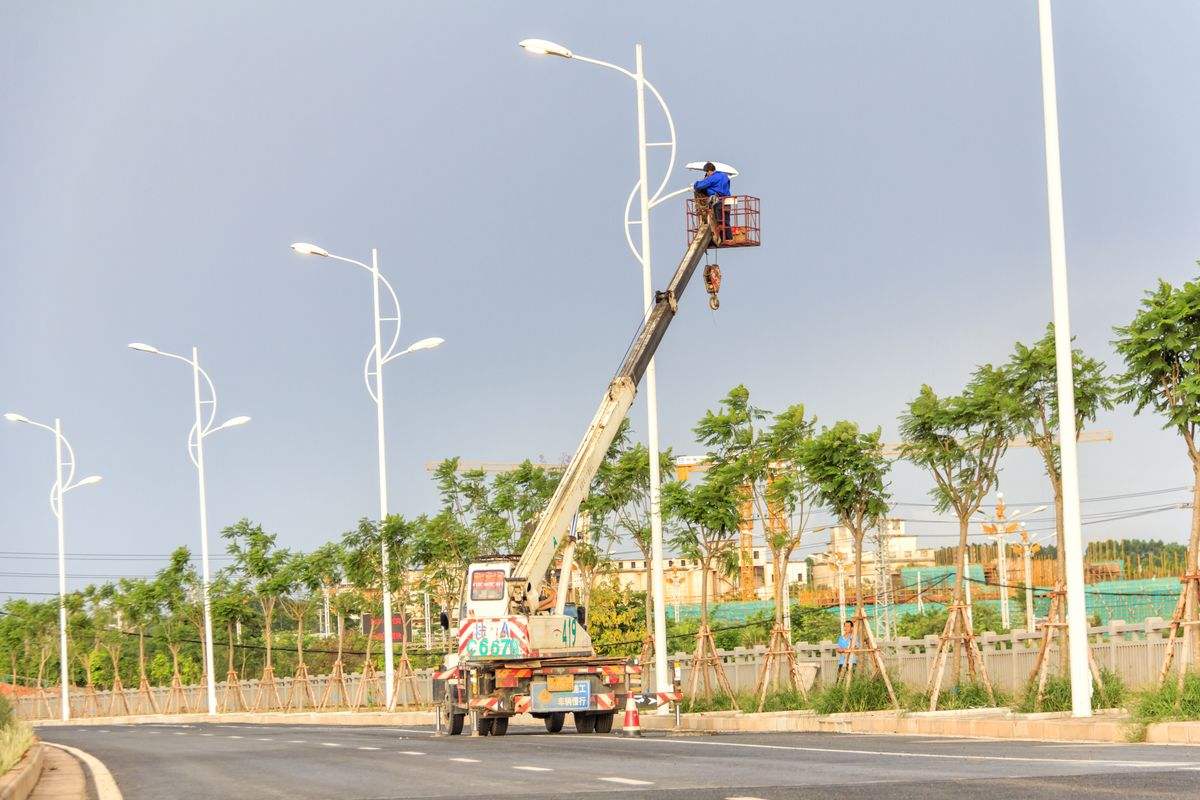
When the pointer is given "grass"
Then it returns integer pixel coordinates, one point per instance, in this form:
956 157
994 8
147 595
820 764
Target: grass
1057 696
971 694
747 702
1167 703
15 736
865 693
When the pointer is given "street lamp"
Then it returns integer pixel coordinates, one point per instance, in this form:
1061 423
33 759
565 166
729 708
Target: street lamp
202 427
373 368
999 527
646 201
57 491
1077 624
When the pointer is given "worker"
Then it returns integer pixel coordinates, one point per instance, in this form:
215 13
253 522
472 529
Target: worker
712 189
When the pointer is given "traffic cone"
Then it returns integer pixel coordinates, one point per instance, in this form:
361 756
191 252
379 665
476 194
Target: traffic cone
633 723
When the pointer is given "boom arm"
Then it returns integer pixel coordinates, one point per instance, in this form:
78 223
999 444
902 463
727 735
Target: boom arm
525 583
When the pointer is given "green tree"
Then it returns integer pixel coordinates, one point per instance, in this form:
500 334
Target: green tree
705 518
262 564
850 473
1031 377
304 574
138 604
1161 350
171 585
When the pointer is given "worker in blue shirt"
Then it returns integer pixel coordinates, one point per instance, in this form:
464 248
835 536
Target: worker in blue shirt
712 189
845 644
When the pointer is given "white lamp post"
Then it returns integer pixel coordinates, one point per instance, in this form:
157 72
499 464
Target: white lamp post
646 202
1077 625
61 486
202 427
373 368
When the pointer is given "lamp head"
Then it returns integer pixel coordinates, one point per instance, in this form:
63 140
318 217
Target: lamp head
306 249
11 417
141 347
426 344
89 480
542 47
232 422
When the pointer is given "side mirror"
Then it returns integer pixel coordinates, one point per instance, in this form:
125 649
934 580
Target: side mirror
444 620
581 615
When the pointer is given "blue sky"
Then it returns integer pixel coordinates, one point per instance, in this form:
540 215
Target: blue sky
159 159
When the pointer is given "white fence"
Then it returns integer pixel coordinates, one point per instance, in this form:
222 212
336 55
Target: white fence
1132 651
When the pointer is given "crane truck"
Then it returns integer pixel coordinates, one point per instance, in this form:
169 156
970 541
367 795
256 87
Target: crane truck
518 651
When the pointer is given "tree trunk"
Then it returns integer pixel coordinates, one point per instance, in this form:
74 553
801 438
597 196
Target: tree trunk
649 601
1060 540
780 581
704 593
858 595
1191 653
960 577
229 630
268 616
141 653
299 640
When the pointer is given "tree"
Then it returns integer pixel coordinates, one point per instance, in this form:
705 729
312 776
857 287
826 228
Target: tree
706 520
790 495
1031 376
1161 350
445 546
303 574
138 604
171 585
262 564
850 472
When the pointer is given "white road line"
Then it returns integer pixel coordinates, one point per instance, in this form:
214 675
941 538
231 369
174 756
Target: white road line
368 748
233 737
330 744
534 769
180 733
411 753
208 734
264 739
295 741
628 781
902 754
743 797
466 760
413 730
106 787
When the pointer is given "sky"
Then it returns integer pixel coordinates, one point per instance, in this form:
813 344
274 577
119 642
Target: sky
158 159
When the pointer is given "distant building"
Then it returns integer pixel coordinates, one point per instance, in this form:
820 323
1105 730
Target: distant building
682 577
901 551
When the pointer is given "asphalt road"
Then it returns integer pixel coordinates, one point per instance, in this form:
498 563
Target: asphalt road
298 762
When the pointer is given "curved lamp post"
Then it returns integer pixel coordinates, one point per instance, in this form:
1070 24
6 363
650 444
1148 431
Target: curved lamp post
62 484
202 427
373 369
646 202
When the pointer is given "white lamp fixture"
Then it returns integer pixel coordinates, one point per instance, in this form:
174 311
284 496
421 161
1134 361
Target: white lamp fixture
306 249
543 47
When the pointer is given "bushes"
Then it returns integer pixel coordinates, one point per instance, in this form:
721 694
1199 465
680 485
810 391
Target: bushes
1167 703
972 694
1057 696
865 693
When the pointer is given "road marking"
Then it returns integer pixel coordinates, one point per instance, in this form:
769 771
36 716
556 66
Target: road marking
368 748
106 787
208 734
180 733
264 739
534 769
330 744
233 737
628 781
411 753
466 760
413 730
743 797
902 754
295 741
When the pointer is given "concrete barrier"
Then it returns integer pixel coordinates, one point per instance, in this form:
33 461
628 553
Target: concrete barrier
18 782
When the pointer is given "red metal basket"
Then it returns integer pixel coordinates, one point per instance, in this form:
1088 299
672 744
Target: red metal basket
737 221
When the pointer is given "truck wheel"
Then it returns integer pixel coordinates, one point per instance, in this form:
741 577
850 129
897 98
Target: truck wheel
584 723
453 723
554 722
604 722
485 726
499 726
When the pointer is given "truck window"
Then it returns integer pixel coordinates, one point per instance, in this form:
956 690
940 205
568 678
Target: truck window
487 584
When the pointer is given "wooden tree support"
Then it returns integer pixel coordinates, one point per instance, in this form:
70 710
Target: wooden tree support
404 677
860 631
1056 624
90 707
268 691
1186 616
337 678
234 698
646 659
301 690
366 688
957 631
177 701
119 700
780 656
706 659
146 696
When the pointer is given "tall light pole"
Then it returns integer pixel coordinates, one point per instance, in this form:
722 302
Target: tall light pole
646 201
61 486
1077 626
373 377
202 427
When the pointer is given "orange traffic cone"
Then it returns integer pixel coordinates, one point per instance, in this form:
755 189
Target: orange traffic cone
633 723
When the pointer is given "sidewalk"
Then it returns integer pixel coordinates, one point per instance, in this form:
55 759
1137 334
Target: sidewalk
62 778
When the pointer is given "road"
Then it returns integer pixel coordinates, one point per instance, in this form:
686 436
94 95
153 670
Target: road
298 762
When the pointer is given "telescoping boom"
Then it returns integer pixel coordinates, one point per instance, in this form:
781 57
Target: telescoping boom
527 578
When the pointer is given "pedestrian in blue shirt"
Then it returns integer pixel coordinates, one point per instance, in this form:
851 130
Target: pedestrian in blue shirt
844 644
712 189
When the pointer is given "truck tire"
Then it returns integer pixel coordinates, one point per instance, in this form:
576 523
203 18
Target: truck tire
499 726
584 723
485 726
554 722
453 723
604 722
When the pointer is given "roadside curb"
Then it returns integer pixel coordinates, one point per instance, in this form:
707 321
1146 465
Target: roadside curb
269 718
102 780
18 782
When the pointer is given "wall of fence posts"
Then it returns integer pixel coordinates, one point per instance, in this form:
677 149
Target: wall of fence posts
1134 652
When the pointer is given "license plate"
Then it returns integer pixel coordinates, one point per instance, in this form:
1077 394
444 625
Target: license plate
560 683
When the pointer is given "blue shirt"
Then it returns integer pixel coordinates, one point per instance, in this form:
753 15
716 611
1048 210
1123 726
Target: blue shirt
715 184
845 643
